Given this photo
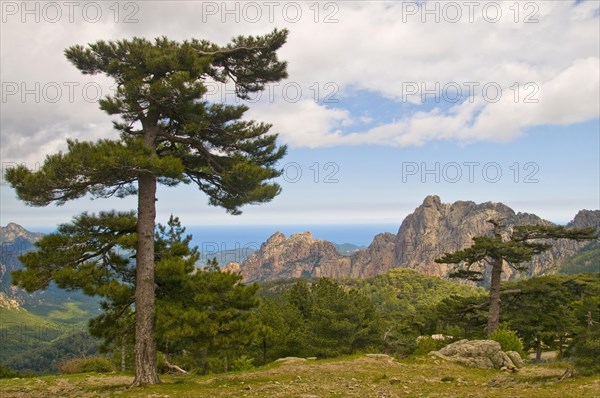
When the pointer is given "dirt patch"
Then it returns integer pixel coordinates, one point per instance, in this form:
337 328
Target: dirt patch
109 380
546 355
541 372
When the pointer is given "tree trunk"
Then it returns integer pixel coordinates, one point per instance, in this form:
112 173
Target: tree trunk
123 353
264 349
561 342
538 350
494 315
145 347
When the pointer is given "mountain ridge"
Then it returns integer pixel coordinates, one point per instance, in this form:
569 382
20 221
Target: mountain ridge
433 229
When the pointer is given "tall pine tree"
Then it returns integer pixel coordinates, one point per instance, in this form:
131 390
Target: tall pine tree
170 135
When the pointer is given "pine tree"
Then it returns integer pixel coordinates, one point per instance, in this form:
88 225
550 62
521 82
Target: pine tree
169 135
541 313
520 247
204 312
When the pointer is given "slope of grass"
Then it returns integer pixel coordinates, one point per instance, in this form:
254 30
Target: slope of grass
33 343
357 376
70 312
20 316
20 331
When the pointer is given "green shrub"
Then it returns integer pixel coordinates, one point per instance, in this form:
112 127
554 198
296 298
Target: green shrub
587 354
243 363
509 341
7 373
85 365
426 344
401 346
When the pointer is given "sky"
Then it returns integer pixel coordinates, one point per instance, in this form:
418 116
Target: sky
386 102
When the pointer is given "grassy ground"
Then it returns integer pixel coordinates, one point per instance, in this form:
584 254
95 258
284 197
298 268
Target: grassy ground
348 377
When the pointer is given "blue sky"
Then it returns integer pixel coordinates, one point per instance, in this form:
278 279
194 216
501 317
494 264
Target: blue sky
378 150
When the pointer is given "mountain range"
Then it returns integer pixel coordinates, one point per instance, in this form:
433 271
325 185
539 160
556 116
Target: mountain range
434 228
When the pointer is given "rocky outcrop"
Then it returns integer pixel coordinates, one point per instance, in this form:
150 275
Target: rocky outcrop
299 256
485 354
14 232
515 358
232 268
8 303
434 228
585 218
14 241
375 259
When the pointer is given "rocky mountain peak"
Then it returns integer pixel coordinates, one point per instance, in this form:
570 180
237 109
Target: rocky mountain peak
14 231
306 235
432 201
276 239
585 218
8 303
300 255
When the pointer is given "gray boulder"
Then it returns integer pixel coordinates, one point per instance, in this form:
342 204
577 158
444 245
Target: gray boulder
486 354
515 358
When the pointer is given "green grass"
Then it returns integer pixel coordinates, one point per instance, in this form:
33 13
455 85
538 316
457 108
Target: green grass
71 312
20 316
21 331
347 377
32 343
21 324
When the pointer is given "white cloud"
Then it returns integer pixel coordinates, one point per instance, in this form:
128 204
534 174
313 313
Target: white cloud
376 47
303 123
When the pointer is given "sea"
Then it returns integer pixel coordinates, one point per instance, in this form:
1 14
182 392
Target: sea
217 239
222 238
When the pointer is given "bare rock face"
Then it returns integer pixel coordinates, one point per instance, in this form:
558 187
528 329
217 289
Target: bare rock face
8 303
485 354
375 259
14 241
586 218
433 229
299 256
12 232
232 268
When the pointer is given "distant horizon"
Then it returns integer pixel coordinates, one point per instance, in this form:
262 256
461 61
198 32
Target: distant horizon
302 227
